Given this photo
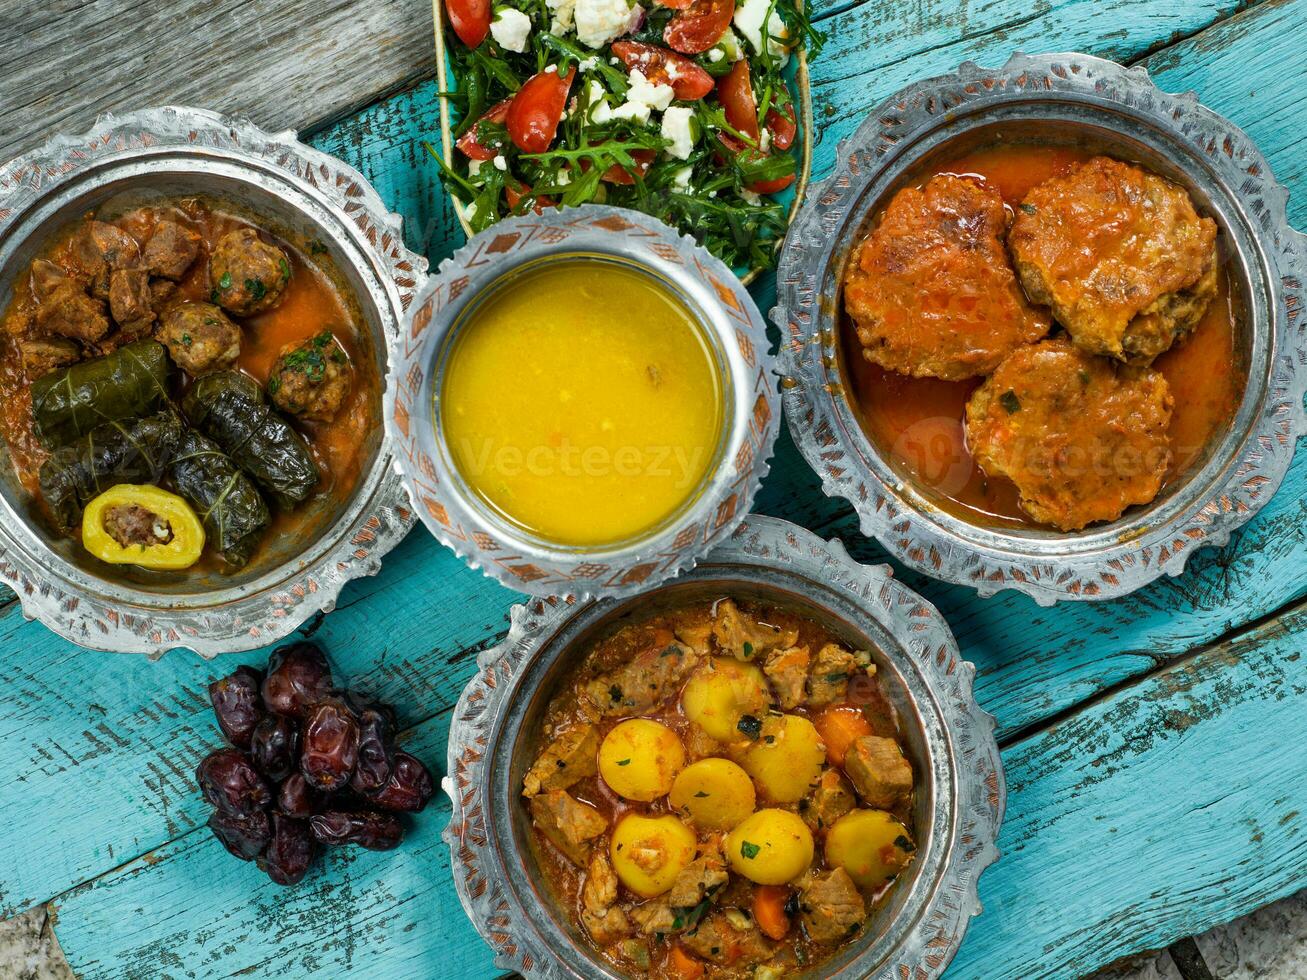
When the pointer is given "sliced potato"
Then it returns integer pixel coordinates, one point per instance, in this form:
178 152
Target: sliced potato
871 845
787 758
771 847
722 692
716 793
649 852
639 759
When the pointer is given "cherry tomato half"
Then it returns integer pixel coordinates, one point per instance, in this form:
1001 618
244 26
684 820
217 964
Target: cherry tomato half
663 67
470 145
782 126
748 154
470 20
616 174
735 93
699 26
514 191
537 108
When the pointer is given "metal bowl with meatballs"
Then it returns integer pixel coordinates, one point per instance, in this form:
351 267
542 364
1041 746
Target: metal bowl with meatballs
192 361
1047 345
771 767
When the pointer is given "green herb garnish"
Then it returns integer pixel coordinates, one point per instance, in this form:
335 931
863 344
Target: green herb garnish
1010 401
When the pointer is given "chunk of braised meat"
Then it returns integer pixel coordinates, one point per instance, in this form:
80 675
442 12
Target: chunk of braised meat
200 337
700 745
831 799
290 850
170 250
569 757
46 275
567 823
130 302
98 249
237 704
409 788
296 797
331 746
743 637
655 672
248 274
702 877
298 678
656 917
367 829
311 379
69 312
787 669
879 771
274 746
229 783
828 678
719 941
41 355
831 906
376 751
162 293
244 837
601 918
696 631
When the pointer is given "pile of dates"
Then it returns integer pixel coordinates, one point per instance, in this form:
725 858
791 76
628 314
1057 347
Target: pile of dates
310 764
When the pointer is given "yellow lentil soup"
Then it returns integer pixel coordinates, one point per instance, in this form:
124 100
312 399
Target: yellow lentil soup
582 403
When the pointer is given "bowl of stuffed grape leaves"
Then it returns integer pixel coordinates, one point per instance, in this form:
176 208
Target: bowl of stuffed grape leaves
195 322
770 766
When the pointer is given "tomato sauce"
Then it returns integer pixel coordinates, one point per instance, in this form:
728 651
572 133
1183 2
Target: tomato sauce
918 422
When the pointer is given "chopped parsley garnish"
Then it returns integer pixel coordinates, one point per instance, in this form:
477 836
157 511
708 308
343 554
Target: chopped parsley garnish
186 340
750 726
225 282
903 844
1010 401
748 850
701 795
256 289
748 649
284 266
1029 208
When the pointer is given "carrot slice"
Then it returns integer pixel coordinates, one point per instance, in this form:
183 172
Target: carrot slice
839 725
769 910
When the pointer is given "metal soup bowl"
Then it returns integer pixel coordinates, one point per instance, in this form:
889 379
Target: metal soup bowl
1099 105
495 736
301 195
731 327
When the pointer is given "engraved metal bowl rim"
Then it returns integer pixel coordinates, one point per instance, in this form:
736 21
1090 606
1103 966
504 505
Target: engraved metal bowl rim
725 311
338 202
967 794
1115 559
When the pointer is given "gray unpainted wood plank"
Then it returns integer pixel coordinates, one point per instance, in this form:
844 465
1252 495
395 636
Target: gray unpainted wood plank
282 63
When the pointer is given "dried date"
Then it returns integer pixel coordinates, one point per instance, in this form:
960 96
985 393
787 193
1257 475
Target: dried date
331 746
376 753
296 798
298 678
275 747
410 787
375 831
244 837
231 784
290 850
238 704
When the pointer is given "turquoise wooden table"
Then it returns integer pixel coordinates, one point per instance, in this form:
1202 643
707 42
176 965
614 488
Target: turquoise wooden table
1154 746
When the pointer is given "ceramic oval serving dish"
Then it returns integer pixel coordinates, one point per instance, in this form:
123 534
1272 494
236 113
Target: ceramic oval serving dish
1100 105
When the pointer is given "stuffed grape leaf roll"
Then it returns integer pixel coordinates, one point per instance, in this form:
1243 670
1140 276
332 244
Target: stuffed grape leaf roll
225 499
128 451
230 409
129 383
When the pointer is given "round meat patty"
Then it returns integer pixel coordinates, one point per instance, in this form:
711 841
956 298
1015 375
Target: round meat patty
248 274
1082 437
1120 255
312 378
200 337
932 291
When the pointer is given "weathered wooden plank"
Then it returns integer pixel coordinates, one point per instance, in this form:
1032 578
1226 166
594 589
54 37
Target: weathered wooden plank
1164 809
287 64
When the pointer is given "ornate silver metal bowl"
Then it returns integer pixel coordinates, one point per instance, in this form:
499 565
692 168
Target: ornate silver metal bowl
732 326
292 188
494 738
1101 105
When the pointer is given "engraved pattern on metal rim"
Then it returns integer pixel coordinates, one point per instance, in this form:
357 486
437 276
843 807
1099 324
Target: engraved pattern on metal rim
102 615
1104 562
969 789
726 311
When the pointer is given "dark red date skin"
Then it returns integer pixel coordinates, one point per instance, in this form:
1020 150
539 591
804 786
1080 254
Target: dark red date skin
296 798
244 837
238 704
275 746
375 831
231 784
290 850
409 789
376 752
298 678
331 746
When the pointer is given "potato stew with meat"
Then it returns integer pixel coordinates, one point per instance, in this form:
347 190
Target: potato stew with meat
722 791
178 382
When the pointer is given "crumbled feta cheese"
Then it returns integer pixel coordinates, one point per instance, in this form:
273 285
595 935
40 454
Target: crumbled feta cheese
751 197
764 140
474 167
729 45
597 100
715 55
551 70
635 111
564 178
676 127
600 21
681 178
563 11
510 28
470 212
589 64
657 95
614 61
748 19
501 163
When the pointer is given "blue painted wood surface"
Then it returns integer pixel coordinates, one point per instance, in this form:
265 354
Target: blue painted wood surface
107 743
